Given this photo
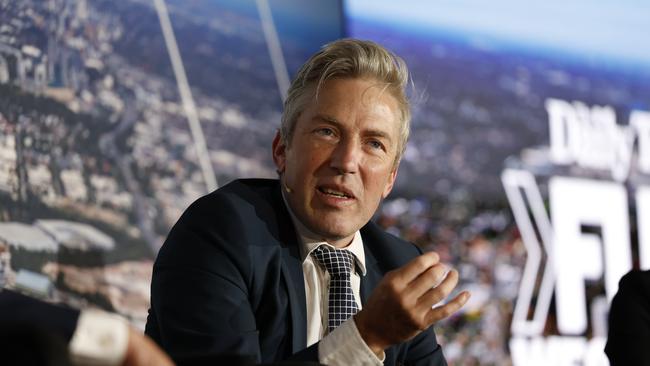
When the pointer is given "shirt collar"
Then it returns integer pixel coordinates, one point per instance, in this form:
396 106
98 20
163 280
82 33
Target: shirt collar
309 241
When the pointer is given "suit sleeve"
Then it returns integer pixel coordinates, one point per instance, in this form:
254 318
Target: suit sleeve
423 350
199 297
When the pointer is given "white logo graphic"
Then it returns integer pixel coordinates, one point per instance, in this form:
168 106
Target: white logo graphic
585 239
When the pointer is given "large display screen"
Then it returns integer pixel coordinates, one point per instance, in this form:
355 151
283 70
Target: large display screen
527 169
528 165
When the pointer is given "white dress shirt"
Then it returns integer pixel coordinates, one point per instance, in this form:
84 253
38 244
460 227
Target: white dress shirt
344 345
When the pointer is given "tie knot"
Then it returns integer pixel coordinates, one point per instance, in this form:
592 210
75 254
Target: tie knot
338 262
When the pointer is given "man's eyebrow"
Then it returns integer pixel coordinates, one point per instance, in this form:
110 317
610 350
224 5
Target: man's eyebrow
327 118
378 133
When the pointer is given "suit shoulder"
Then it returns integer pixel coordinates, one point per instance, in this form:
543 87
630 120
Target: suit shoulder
405 246
239 201
232 217
237 194
220 224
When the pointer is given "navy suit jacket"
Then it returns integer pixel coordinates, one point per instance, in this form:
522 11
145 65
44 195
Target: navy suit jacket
229 279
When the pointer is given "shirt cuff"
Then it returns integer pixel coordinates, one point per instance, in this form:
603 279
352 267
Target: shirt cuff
344 346
100 339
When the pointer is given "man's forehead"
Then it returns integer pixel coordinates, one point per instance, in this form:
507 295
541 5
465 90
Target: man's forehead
366 97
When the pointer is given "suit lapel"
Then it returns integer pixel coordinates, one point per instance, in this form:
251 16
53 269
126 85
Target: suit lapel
373 271
373 274
292 272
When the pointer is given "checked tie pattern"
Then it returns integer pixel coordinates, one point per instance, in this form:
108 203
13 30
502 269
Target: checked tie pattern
338 263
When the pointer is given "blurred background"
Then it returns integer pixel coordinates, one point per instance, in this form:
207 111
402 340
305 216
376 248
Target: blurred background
527 167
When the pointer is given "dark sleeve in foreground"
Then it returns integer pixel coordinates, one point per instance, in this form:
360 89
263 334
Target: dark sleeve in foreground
19 310
629 321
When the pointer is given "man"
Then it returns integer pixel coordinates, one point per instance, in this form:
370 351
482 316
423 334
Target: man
35 332
629 321
258 266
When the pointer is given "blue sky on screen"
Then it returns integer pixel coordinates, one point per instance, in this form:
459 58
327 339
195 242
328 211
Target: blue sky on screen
615 29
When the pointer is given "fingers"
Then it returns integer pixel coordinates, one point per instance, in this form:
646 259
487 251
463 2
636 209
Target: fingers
441 312
428 279
416 266
436 294
408 293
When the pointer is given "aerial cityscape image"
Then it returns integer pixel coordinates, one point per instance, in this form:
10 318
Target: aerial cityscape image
117 115
97 157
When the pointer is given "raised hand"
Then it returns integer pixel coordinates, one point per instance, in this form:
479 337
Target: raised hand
402 305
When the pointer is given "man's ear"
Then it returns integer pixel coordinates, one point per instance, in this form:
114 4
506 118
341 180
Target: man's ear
390 182
279 153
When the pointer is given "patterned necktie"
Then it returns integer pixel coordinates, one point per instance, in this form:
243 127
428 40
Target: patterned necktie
338 263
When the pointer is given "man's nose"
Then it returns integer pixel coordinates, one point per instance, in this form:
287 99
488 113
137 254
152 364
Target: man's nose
346 157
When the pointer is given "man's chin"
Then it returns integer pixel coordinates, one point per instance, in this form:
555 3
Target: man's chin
336 234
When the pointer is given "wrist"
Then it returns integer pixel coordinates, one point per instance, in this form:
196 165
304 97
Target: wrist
366 333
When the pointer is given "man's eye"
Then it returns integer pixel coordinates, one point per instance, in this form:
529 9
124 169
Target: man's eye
325 132
376 144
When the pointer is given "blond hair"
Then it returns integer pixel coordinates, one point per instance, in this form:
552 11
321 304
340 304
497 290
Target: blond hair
348 58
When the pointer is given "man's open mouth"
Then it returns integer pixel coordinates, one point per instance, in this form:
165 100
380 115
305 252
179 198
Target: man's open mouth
334 192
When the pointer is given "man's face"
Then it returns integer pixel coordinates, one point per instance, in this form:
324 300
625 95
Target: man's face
340 161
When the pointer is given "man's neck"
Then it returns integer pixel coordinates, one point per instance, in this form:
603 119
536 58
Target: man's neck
341 243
